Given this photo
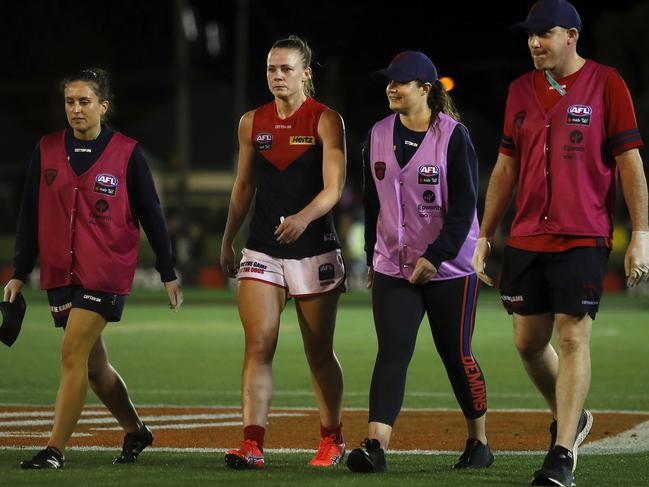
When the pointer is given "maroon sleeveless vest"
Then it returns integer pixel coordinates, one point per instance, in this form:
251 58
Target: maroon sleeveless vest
87 234
567 174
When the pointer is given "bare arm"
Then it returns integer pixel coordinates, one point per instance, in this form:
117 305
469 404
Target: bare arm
242 194
331 131
634 187
499 194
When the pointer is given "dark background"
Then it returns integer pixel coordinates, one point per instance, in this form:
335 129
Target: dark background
137 41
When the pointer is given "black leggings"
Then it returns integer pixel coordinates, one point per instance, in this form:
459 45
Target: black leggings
398 309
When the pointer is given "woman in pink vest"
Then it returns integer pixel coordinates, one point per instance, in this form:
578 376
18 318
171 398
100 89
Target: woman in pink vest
88 190
420 194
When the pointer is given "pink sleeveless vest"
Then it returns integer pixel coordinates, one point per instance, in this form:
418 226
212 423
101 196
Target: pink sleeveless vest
86 232
567 175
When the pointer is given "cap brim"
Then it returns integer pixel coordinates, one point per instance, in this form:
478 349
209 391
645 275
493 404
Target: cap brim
396 74
533 26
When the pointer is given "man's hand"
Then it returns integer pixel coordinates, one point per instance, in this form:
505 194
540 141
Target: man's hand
636 259
479 260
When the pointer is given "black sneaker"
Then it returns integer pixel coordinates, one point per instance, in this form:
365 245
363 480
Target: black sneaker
48 458
134 443
476 455
583 429
556 470
371 459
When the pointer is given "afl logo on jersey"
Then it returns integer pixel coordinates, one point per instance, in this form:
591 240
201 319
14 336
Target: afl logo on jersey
428 174
301 140
326 272
264 141
105 184
579 115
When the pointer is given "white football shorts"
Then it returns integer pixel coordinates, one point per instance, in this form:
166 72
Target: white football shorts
310 276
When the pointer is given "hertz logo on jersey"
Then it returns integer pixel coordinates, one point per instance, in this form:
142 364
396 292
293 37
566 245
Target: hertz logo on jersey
301 140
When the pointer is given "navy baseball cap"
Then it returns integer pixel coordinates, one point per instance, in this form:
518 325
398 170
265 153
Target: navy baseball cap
410 65
546 14
12 319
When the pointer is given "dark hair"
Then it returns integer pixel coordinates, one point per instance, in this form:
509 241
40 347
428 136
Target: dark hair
440 101
100 82
295 42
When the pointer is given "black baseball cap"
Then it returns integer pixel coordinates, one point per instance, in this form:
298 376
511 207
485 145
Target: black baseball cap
546 14
410 65
12 319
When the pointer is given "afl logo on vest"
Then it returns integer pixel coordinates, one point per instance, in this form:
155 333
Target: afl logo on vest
105 184
579 115
428 174
264 141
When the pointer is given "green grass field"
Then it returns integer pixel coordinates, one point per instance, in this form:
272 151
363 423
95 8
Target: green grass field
194 358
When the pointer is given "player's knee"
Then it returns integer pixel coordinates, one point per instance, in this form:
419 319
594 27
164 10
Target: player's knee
571 343
528 347
260 349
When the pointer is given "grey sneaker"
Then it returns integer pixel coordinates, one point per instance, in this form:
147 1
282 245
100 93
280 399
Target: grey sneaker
556 469
583 429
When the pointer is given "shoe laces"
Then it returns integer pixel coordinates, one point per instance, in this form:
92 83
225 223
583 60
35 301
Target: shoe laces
250 446
326 444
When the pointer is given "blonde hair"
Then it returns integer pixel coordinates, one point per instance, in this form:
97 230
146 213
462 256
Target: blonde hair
300 45
440 101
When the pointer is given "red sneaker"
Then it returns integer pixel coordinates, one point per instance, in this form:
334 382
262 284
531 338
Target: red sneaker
249 455
329 452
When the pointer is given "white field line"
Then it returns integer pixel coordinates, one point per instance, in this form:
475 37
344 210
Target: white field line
301 450
48 414
158 421
35 434
98 410
630 441
182 426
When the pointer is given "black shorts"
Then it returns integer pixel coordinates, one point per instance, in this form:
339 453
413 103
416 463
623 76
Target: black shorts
63 299
567 282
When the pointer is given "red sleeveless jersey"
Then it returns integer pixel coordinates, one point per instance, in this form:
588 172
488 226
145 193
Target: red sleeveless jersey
87 234
288 166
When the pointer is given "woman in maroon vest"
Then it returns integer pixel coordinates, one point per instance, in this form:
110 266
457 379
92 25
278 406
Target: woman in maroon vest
87 191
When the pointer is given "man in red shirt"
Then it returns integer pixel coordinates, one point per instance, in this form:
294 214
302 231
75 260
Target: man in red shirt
570 128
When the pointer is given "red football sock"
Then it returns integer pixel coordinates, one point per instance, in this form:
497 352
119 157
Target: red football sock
255 433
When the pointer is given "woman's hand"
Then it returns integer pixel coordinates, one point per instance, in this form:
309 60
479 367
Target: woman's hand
175 294
12 289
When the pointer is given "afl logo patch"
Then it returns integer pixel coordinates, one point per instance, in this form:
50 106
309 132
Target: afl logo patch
50 176
326 272
105 184
379 170
264 141
428 174
301 140
579 115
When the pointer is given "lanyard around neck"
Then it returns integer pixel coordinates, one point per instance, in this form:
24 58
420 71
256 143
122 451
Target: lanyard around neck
553 82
